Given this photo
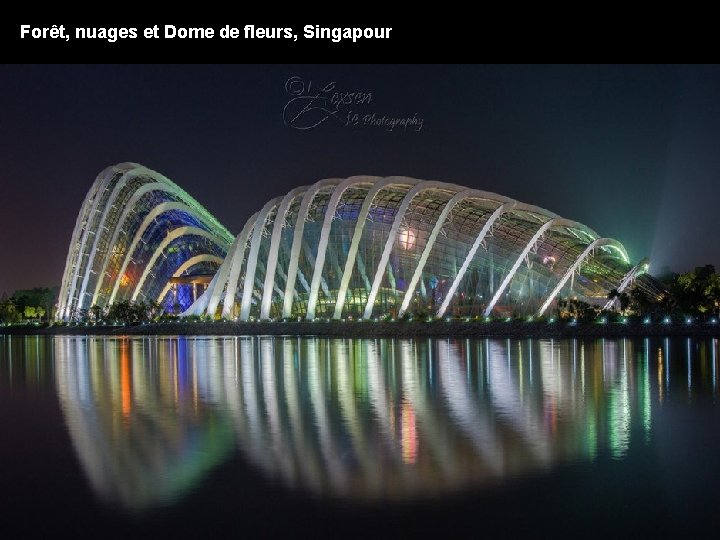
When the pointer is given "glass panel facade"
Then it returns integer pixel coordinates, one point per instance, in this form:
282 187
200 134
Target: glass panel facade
134 230
394 246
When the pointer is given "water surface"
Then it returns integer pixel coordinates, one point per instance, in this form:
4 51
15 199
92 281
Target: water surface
336 437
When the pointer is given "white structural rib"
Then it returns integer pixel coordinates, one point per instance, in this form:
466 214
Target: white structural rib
399 216
325 235
92 221
275 239
99 232
129 207
192 261
102 184
297 241
502 209
210 299
199 306
149 219
357 234
439 223
172 235
164 185
637 270
588 250
63 301
554 222
234 262
253 255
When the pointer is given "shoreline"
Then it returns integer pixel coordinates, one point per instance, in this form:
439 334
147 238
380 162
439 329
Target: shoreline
368 329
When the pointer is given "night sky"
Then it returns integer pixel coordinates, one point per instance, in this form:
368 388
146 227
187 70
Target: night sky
631 151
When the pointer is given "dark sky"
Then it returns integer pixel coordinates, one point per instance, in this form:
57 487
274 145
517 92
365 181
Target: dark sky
631 151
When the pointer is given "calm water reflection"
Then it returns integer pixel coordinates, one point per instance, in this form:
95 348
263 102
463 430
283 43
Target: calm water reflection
154 419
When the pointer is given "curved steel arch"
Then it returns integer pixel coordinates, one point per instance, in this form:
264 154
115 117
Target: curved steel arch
575 266
307 200
187 264
635 271
156 182
554 222
325 235
620 249
149 218
189 200
172 235
119 185
357 234
252 256
129 207
439 224
100 185
399 215
499 211
275 248
210 299
200 304
77 230
140 192
235 265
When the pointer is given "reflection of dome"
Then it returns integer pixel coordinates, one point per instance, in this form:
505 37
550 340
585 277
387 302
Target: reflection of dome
377 419
135 231
363 246
134 423
358 419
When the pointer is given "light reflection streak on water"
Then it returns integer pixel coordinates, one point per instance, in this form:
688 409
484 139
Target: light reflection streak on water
620 409
646 398
660 373
474 421
428 417
270 400
328 448
523 420
666 350
714 348
689 365
370 419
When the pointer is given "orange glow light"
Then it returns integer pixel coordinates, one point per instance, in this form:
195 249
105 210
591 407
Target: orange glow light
125 389
409 435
